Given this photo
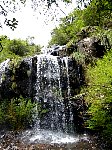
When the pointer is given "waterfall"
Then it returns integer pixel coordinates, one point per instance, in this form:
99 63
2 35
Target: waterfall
50 80
3 67
48 77
56 117
52 92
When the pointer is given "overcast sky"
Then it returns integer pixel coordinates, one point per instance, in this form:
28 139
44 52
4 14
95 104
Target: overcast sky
32 23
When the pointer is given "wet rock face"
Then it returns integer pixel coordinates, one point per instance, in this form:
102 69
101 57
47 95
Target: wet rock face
59 51
91 47
22 81
19 81
6 85
76 77
51 81
16 81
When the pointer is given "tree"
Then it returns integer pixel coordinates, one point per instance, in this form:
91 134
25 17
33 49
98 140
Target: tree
16 48
59 37
68 28
12 5
98 13
5 8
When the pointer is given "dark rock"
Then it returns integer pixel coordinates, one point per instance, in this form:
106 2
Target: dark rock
50 81
91 47
59 51
19 81
23 79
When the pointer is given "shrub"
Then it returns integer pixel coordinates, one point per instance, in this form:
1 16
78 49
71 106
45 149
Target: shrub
99 96
79 57
18 113
18 47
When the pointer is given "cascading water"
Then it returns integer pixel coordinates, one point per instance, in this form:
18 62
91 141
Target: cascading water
55 119
46 79
3 67
52 92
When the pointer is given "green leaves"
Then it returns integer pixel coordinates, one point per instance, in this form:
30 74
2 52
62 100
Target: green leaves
16 48
68 28
59 37
18 113
98 13
79 57
99 95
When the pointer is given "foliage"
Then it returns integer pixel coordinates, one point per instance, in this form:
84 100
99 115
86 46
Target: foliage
16 49
99 96
79 57
17 113
68 28
5 8
59 37
97 13
99 9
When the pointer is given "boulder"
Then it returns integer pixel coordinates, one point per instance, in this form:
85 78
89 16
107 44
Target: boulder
91 46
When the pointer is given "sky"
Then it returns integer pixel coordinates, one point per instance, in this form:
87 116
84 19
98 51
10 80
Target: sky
37 22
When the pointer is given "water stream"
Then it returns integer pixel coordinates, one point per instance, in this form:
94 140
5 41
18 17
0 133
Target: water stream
55 121
52 86
3 66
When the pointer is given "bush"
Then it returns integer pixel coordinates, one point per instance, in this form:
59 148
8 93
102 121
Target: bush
18 47
99 96
79 57
18 113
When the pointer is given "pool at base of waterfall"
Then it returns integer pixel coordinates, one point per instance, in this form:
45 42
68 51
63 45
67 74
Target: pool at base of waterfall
46 140
50 137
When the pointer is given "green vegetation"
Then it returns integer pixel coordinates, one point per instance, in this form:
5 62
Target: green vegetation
94 20
99 96
16 49
96 17
17 114
68 29
80 58
95 10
